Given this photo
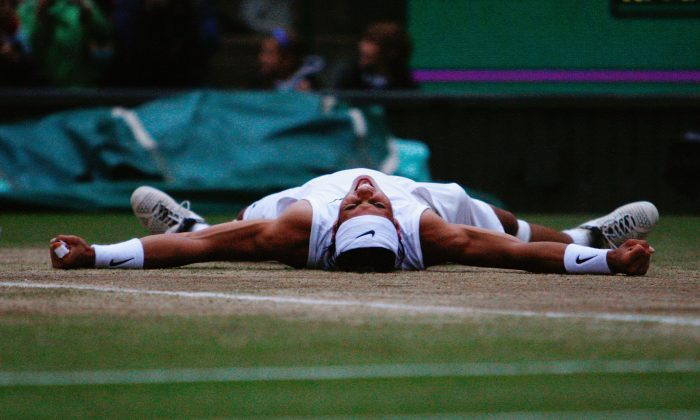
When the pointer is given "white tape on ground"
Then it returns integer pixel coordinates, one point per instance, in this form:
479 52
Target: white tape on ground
663 319
348 372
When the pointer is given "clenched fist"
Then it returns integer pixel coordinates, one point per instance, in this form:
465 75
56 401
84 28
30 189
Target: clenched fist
632 257
80 255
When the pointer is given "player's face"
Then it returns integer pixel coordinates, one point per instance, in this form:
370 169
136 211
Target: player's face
269 57
368 53
365 198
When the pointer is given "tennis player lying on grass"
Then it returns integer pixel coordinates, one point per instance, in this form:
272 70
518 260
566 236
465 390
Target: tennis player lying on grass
364 220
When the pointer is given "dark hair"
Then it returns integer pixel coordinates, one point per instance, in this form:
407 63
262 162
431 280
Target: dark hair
366 260
395 46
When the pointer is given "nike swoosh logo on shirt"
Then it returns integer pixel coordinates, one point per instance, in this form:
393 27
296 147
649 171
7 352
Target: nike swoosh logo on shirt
369 232
580 260
113 263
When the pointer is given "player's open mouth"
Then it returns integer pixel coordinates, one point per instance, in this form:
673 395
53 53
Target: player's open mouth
364 181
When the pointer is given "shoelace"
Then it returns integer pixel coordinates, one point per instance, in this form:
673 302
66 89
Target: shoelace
618 228
169 217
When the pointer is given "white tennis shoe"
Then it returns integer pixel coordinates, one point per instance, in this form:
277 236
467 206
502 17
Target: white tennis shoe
159 213
631 221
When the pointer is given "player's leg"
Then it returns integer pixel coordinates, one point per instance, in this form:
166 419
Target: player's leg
631 221
455 205
160 213
269 207
529 232
241 213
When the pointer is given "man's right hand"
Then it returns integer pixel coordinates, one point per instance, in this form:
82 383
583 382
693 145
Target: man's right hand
81 254
631 258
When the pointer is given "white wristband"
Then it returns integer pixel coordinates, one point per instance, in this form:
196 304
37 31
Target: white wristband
127 254
580 259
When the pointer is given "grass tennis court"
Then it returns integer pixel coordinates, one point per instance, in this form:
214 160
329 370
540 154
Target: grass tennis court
261 340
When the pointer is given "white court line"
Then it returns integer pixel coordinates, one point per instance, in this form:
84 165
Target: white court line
366 304
346 372
649 414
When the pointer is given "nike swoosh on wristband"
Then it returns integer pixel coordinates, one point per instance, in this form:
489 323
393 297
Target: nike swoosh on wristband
113 263
369 232
580 260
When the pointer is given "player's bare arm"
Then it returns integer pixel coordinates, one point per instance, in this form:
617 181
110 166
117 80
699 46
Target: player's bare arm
443 242
284 239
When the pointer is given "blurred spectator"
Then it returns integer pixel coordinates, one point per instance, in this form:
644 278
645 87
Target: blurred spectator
69 40
383 60
165 43
282 65
16 68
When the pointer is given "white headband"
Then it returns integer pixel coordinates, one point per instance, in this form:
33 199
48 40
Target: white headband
366 232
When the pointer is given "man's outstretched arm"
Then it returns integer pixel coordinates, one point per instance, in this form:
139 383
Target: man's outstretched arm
444 242
285 239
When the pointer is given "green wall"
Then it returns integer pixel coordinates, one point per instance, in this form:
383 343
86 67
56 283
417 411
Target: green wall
549 34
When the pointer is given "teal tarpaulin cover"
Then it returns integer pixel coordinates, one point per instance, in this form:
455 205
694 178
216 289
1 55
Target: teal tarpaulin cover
216 148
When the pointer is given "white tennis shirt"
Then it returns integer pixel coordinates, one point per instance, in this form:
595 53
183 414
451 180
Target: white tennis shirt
409 199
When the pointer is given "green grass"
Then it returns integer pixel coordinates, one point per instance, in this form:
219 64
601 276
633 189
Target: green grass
36 229
31 342
213 341
366 398
82 342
